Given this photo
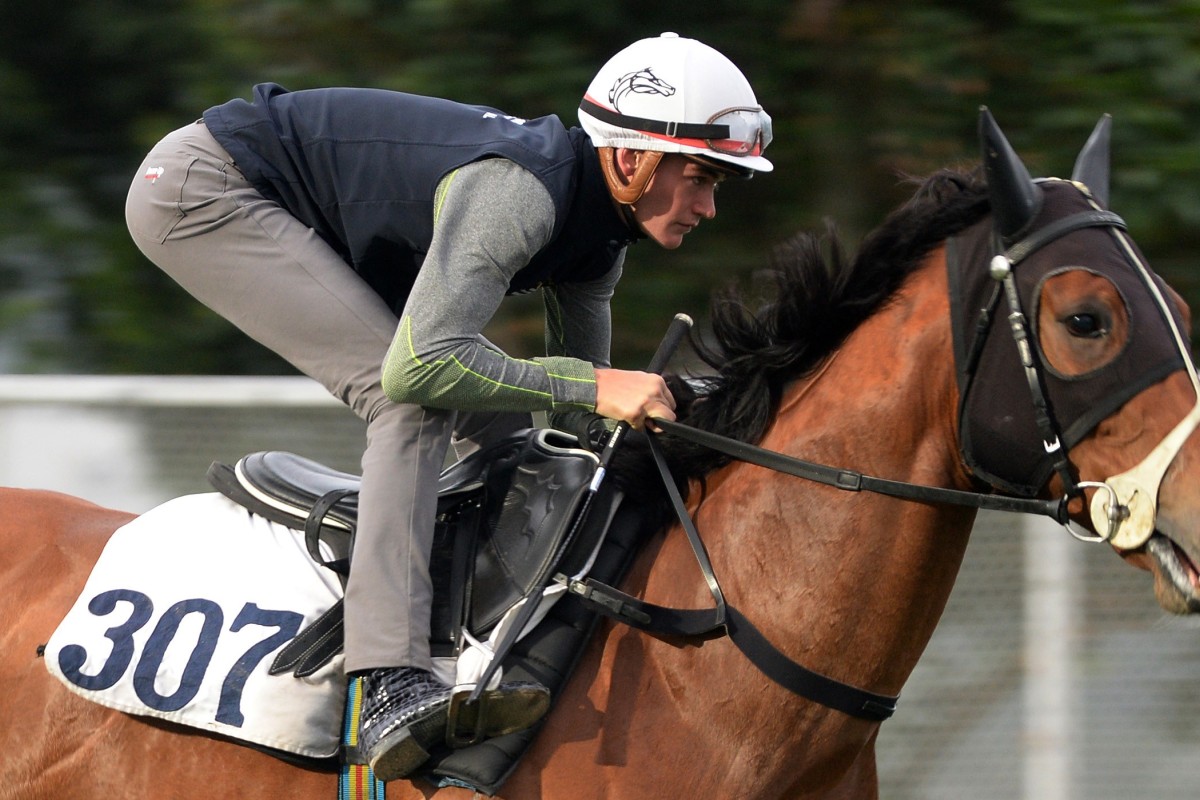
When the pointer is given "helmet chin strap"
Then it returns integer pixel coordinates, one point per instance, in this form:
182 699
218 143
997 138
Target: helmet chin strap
1135 492
628 193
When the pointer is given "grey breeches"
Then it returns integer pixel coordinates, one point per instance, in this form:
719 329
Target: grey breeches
193 214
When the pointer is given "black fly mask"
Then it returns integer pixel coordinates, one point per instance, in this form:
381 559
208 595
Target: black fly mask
998 269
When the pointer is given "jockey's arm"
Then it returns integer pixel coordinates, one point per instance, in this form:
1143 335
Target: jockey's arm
439 357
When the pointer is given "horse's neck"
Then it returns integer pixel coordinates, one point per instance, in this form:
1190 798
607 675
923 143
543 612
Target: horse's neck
850 583
886 402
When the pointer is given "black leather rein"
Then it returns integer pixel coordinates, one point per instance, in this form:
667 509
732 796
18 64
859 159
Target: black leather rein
856 481
725 620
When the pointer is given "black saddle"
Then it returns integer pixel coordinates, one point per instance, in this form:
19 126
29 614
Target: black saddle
509 518
287 488
505 518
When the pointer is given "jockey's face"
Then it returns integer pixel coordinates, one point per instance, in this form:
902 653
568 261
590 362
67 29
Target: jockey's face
679 195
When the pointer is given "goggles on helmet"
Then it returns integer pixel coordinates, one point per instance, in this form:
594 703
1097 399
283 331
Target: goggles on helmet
744 131
749 131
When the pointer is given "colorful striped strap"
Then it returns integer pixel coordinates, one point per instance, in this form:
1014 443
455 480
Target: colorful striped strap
356 782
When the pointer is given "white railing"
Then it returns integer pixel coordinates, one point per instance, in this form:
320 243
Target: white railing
165 390
134 441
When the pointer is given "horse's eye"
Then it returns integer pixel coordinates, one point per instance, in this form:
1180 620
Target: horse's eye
1085 325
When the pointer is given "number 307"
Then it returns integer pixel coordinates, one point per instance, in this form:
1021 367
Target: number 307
73 656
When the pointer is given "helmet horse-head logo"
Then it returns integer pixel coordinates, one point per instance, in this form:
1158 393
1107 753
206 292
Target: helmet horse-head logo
642 81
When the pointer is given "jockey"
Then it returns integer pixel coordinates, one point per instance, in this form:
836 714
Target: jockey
369 236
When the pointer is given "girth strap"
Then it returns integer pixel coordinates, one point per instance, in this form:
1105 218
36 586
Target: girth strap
314 647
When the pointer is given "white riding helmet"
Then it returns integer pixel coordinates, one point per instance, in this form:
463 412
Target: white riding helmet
677 95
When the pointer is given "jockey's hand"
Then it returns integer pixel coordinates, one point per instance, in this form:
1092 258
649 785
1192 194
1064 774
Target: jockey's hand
633 396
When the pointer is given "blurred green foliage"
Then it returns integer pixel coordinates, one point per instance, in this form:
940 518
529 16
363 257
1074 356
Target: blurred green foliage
863 93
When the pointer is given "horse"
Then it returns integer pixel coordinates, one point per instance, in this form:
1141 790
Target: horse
884 362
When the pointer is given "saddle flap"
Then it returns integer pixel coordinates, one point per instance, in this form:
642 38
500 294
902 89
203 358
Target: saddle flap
543 494
533 485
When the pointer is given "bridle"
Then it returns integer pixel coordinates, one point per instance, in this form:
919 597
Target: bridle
1001 270
1123 507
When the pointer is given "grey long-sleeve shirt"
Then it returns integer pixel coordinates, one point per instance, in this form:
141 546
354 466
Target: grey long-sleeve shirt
491 217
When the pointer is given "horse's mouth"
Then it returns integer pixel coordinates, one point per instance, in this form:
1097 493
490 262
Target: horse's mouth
1176 575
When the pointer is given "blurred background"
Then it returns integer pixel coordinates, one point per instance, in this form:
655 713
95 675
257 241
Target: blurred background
862 93
1053 675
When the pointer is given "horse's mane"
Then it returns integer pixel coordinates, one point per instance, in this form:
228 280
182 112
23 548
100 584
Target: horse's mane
817 298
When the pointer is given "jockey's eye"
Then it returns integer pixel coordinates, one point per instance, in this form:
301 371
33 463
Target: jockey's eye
1085 325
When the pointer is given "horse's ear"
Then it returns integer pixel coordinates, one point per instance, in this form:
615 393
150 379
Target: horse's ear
1015 197
1091 167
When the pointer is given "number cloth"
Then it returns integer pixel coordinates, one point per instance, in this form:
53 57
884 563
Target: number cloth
181 618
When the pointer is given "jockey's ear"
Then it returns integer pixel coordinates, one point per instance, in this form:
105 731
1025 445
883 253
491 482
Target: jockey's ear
627 162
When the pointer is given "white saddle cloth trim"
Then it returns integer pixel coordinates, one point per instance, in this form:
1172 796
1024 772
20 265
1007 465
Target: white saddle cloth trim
182 616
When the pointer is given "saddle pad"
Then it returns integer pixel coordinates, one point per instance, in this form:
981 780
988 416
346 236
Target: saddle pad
180 619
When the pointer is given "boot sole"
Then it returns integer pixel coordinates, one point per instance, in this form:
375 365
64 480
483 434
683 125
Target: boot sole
401 751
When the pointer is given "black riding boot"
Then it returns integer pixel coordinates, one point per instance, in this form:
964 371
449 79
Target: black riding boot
406 710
